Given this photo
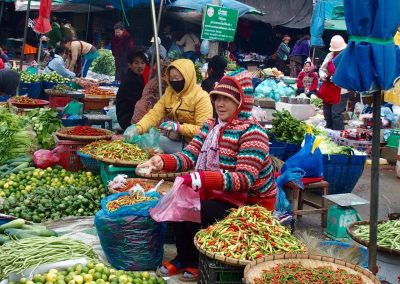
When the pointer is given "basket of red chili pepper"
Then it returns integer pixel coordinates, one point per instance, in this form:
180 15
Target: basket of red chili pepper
306 268
84 133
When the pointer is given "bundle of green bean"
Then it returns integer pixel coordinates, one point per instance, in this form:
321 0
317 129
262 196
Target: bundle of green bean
388 234
16 256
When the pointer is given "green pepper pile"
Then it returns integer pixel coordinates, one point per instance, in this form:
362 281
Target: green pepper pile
248 233
388 234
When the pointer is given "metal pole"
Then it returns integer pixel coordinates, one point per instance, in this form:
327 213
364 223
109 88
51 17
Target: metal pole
213 45
28 8
88 21
158 28
40 50
372 248
157 50
1 10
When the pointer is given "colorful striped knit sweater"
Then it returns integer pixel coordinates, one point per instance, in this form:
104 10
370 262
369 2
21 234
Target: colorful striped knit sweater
244 153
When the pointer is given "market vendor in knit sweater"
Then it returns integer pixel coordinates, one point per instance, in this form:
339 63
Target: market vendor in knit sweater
230 156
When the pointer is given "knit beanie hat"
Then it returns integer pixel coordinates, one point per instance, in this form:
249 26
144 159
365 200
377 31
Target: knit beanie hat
226 87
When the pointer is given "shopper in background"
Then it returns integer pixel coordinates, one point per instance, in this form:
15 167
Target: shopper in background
131 88
32 41
55 35
299 54
121 45
181 110
57 63
9 81
166 37
80 56
68 32
215 71
231 164
161 49
333 112
282 54
307 81
191 45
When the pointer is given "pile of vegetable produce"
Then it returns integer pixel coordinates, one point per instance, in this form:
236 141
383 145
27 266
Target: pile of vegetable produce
286 128
53 77
24 100
199 76
17 229
105 63
388 234
127 200
317 102
27 77
86 83
248 233
25 181
17 256
52 203
128 184
97 92
16 136
115 150
45 122
292 272
17 165
93 273
61 88
85 131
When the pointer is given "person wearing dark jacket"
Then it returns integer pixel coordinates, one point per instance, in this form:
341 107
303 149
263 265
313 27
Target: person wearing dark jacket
131 88
55 35
9 81
215 71
121 44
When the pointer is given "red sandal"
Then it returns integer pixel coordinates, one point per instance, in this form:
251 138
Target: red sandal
194 274
172 270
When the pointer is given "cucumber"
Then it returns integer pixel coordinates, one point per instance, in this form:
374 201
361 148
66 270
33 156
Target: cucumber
14 224
20 234
20 159
15 164
4 167
18 168
4 239
39 230
28 169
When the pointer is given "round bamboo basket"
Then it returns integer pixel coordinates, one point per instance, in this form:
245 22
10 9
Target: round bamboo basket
129 164
169 176
163 189
225 259
353 227
61 133
255 269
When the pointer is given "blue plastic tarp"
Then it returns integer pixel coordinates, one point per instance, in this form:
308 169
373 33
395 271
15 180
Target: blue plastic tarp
199 4
317 24
371 60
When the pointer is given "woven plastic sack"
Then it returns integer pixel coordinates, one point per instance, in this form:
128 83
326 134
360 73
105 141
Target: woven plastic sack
266 89
180 204
138 209
309 158
130 242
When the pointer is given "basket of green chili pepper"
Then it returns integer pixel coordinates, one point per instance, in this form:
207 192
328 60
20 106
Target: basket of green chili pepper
388 235
246 234
116 152
305 268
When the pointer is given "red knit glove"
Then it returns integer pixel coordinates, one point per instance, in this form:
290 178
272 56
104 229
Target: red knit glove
194 180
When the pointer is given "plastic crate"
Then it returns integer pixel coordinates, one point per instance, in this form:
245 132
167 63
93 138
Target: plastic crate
212 271
68 153
109 172
277 149
59 101
342 172
89 163
33 90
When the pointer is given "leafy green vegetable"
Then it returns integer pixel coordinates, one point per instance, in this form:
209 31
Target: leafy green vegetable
286 128
317 102
45 122
199 76
105 63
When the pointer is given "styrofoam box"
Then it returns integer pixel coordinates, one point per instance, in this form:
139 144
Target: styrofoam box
298 111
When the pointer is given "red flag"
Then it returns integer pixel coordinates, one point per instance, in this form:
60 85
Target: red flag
43 22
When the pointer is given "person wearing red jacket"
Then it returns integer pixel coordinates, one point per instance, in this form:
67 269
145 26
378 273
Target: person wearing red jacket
121 45
231 163
307 80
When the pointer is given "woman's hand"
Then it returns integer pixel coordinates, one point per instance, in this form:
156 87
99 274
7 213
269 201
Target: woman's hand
154 164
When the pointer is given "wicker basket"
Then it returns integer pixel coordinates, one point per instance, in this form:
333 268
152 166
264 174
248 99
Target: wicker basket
353 227
255 269
62 135
169 176
163 189
129 164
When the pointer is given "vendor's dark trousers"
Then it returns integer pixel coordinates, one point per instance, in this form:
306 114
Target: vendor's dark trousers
211 211
333 113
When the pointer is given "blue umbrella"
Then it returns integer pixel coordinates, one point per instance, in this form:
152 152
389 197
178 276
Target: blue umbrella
370 62
317 24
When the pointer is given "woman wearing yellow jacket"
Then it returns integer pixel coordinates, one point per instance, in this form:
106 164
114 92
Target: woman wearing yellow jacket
182 109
